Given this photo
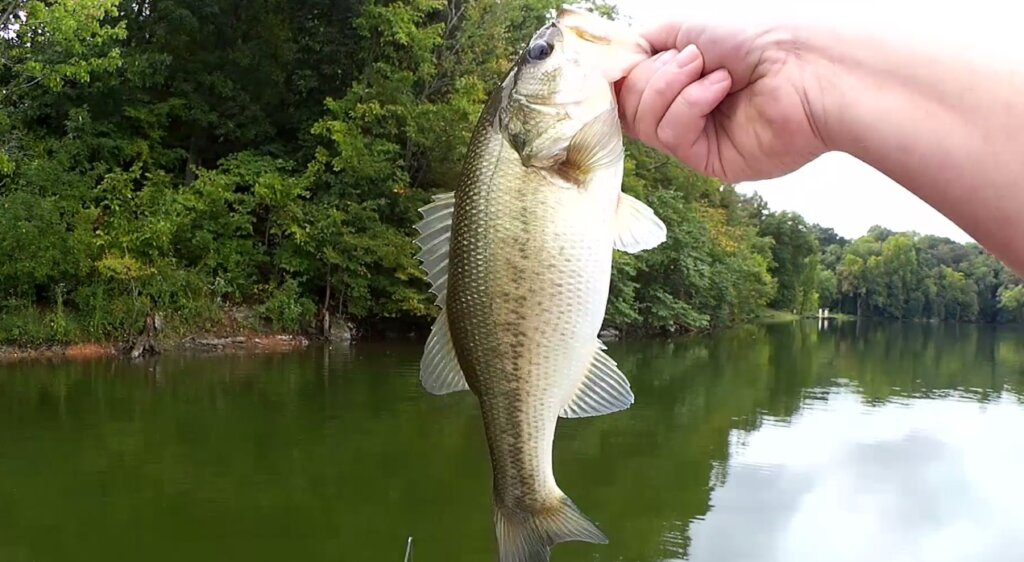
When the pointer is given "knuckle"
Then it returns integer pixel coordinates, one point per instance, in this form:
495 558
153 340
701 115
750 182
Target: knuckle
668 132
664 86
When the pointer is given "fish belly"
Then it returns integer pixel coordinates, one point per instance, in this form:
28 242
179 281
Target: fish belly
529 273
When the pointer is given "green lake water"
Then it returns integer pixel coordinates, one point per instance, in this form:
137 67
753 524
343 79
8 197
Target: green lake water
777 443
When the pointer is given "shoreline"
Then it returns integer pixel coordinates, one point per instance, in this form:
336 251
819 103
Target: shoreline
237 343
279 342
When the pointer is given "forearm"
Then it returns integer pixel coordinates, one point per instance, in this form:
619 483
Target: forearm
947 130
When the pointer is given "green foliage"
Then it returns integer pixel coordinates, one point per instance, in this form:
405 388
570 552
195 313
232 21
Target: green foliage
187 157
794 261
287 309
908 276
56 42
827 285
31 326
712 271
1011 302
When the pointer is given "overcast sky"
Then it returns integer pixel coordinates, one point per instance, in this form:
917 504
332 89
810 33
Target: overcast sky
837 190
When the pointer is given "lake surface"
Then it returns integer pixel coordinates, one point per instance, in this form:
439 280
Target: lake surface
779 443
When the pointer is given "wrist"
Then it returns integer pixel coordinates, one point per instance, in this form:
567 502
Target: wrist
825 76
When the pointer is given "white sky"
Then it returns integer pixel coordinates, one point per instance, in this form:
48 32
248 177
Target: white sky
837 190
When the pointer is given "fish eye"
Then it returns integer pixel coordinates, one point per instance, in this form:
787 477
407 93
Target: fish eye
539 51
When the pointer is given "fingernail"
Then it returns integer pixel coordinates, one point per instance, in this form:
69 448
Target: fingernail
687 56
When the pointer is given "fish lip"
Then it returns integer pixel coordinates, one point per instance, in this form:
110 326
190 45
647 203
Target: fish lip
567 12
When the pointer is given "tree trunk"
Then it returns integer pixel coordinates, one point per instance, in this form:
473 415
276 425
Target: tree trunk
325 310
146 343
340 331
193 159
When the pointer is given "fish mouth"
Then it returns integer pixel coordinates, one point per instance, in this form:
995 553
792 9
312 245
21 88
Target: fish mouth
597 30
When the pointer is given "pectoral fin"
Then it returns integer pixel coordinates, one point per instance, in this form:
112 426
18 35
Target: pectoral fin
435 234
604 389
597 145
637 228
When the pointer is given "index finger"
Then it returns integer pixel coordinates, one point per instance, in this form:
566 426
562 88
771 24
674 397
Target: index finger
723 46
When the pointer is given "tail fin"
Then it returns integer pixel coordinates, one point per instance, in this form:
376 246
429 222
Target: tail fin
528 537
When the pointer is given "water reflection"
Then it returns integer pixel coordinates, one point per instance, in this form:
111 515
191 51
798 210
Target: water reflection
851 441
875 443
924 480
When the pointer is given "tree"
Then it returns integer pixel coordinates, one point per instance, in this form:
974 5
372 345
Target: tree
961 300
850 281
827 237
712 271
828 288
794 260
220 162
1011 302
48 44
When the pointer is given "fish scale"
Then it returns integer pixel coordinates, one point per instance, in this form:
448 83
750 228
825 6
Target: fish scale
524 279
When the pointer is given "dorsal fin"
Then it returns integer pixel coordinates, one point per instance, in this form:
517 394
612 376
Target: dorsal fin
435 234
440 372
603 390
439 368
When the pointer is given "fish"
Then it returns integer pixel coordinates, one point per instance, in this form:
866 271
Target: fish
519 256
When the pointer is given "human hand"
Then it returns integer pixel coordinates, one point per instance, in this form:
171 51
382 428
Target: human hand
733 104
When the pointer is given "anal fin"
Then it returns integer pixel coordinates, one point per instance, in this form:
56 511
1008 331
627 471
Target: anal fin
603 390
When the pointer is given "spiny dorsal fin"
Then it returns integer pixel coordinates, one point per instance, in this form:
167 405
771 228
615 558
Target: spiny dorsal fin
637 228
435 234
439 369
603 390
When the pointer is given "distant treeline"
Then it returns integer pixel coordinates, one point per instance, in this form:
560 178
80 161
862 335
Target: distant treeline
909 276
198 159
886 274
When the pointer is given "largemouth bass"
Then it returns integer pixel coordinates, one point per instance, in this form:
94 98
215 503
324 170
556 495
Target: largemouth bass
520 258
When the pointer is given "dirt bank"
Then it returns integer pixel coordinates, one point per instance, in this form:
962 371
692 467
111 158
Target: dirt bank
247 343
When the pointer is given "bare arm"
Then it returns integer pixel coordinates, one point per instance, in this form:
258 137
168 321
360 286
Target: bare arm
950 131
